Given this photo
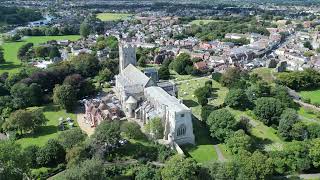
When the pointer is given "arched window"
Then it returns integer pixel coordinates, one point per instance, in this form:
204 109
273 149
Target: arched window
181 130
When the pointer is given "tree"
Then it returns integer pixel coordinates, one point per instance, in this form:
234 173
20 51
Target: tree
239 141
296 156
181 62
105 75
299 131
51 154
86 64
142 62
147 172
41 51
13 161
257 90
71 137
308 45
2 60
314 152
84 30
86 170
222 124
30 153
268 110
131 130
155 128
232 78
236 98
65 96
206 111
76 154
227 170
164 73
105 138
178 168
287 119
253 166
281 93
25 96
202 94
54 52
23 120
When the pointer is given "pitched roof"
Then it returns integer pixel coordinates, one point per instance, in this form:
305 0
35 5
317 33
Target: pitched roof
133 76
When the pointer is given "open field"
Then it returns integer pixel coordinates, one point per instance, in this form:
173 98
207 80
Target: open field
264 73
49 131
314 95
204 21
112 16
11 49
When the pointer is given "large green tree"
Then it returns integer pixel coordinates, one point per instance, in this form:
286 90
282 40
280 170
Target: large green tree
51 154
179 168
287 119
84 29
85 64
65 96
71 137
268 110
105 138
222 124
239 141
13 162
236 98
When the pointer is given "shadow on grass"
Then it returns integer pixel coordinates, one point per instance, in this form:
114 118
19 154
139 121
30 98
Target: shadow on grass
9 66
42 131
201 132
259 143
190 103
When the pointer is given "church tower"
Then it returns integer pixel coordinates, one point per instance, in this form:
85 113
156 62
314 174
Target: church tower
127 55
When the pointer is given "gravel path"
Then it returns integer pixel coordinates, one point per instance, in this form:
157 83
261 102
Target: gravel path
221 158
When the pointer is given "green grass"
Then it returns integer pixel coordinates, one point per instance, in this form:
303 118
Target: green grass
187 88
204 21
266 135
112 16
203 151
314 95
264 73
50 130
13 64
308 115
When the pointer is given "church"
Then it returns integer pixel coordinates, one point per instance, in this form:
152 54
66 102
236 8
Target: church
143 98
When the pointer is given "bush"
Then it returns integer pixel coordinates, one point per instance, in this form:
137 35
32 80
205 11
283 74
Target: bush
131 130
268 110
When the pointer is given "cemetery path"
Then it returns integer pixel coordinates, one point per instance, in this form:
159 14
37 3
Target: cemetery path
221 158
84 126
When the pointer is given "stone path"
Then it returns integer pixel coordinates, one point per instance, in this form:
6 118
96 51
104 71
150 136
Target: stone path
221 158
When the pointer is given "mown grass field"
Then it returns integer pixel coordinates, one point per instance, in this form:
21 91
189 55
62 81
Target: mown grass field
264 73
112 16
204 21
50 130
314 95
13 64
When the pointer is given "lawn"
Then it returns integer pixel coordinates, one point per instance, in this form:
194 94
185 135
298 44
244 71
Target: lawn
13 64
267 136
49 131
187 88
112 16
203 151
204 21
308 115
264 73
314 95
